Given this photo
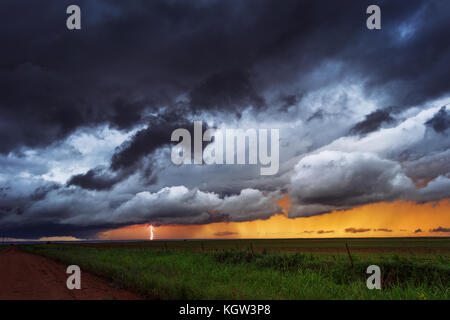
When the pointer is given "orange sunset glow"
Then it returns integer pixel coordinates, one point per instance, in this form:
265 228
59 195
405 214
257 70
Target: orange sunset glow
394 219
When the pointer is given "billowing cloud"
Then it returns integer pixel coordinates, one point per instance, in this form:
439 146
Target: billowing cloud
345 179
181 205
405 161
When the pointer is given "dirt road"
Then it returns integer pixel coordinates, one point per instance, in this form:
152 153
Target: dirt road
27 276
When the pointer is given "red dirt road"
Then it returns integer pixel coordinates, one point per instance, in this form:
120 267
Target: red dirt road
24 276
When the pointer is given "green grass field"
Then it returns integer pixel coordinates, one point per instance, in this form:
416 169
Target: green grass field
230 269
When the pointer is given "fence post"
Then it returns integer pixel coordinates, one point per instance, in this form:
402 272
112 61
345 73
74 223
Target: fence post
349 255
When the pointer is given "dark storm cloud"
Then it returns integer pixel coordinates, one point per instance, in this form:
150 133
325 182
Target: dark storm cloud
359 230
441 120
220 91
126 114
440 229
288 101
325 231
133 57
40 192
145 141
413 73
372 122
95 179
383 230
127 156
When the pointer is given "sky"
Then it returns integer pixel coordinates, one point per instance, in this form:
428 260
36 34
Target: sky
86 118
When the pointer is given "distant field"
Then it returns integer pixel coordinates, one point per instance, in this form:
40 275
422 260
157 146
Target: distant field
266 269
379 245
327 242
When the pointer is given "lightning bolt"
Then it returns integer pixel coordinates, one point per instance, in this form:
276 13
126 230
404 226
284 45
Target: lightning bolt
151 232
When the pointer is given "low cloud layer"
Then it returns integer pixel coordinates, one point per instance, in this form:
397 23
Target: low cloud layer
440 229
357 230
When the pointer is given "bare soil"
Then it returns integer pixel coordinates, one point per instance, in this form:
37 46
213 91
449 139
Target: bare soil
24 276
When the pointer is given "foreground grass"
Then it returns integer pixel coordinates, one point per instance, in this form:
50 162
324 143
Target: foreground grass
238 274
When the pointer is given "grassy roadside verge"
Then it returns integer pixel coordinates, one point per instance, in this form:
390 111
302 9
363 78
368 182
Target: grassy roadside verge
234 274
